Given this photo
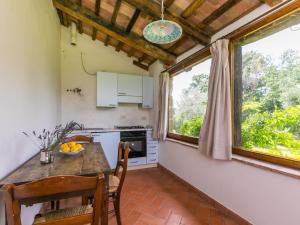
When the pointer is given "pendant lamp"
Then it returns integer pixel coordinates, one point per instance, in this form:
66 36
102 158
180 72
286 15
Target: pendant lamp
162 31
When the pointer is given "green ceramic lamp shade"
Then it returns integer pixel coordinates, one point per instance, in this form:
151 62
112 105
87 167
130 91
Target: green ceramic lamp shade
162 31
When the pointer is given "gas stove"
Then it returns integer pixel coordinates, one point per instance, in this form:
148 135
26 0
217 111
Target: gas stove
129 127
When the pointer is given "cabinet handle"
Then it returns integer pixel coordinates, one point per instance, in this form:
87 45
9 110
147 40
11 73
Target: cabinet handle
122 93
152 160
112 105
135 162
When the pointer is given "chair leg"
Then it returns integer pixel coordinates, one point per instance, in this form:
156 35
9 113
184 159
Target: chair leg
57 205
85 200
117 209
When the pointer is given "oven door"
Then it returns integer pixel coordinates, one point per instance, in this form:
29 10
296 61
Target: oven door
138 146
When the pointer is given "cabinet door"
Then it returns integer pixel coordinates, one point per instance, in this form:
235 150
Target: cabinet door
147 92
107 85
130 85
109 142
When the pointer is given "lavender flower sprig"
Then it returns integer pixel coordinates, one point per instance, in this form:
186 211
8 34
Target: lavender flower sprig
47 140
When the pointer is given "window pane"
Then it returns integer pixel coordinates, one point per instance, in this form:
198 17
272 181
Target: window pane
268 94
188 99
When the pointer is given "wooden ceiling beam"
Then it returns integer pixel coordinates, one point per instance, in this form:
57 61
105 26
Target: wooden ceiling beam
79 27
141 65
153 9
177 43
218 12
271 2
114 18
168 3
133 20
88 17
192 8
129 27
119 46
144 56
97 11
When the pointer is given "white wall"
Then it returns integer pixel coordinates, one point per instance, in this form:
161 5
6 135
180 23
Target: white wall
29 78
97 57
260 196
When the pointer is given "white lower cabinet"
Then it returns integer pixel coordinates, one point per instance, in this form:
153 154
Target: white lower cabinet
109 142
137 161
152 148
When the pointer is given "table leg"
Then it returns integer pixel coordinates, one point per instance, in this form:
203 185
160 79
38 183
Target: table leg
104 218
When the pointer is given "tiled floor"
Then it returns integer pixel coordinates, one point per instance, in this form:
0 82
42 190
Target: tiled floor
154 197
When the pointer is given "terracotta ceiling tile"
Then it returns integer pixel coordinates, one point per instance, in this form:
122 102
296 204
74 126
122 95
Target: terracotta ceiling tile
90 4
87 29
124 16
206 9
179 6
234 12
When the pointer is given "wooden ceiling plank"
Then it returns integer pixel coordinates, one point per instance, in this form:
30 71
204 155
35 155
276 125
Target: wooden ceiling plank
218 12
272 2
192 8
97 11
152 8
88 17
141 65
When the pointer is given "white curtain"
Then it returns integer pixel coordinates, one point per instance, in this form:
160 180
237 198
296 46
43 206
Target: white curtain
215 136
160 127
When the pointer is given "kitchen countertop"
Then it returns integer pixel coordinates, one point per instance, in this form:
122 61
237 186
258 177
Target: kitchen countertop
100 130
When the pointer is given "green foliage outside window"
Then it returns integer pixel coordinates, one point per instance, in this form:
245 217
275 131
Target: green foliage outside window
270 117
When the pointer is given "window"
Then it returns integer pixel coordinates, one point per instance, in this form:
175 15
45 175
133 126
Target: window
188 100
267 92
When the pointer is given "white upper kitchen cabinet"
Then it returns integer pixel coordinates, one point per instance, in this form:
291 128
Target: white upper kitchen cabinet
147 92
107 89
130 88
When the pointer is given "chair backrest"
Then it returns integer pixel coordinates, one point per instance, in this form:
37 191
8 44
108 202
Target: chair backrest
53 187
123 152
80 138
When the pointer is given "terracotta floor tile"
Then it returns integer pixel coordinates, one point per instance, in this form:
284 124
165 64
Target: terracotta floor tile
153 197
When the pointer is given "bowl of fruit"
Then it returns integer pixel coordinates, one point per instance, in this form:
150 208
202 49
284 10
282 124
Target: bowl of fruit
71 148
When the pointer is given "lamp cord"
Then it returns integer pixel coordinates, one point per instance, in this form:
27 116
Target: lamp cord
162 9
82 64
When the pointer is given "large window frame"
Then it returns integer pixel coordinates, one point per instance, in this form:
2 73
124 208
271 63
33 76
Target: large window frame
278 15
194 59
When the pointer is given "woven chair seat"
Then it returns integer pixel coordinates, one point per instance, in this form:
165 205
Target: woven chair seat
62 214
114 182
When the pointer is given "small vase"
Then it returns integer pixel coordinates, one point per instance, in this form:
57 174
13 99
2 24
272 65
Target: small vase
46 156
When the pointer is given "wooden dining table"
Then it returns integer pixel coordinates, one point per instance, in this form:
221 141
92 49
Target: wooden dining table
89 162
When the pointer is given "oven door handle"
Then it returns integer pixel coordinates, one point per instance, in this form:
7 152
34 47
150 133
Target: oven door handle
133 138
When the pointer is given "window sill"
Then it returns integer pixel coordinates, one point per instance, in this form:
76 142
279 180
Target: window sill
268 166
294 173
182 143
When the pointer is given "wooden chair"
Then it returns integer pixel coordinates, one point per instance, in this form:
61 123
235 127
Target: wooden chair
116 180
80 138
54 187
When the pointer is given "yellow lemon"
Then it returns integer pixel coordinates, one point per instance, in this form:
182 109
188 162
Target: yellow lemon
66 149
63 146
72 143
